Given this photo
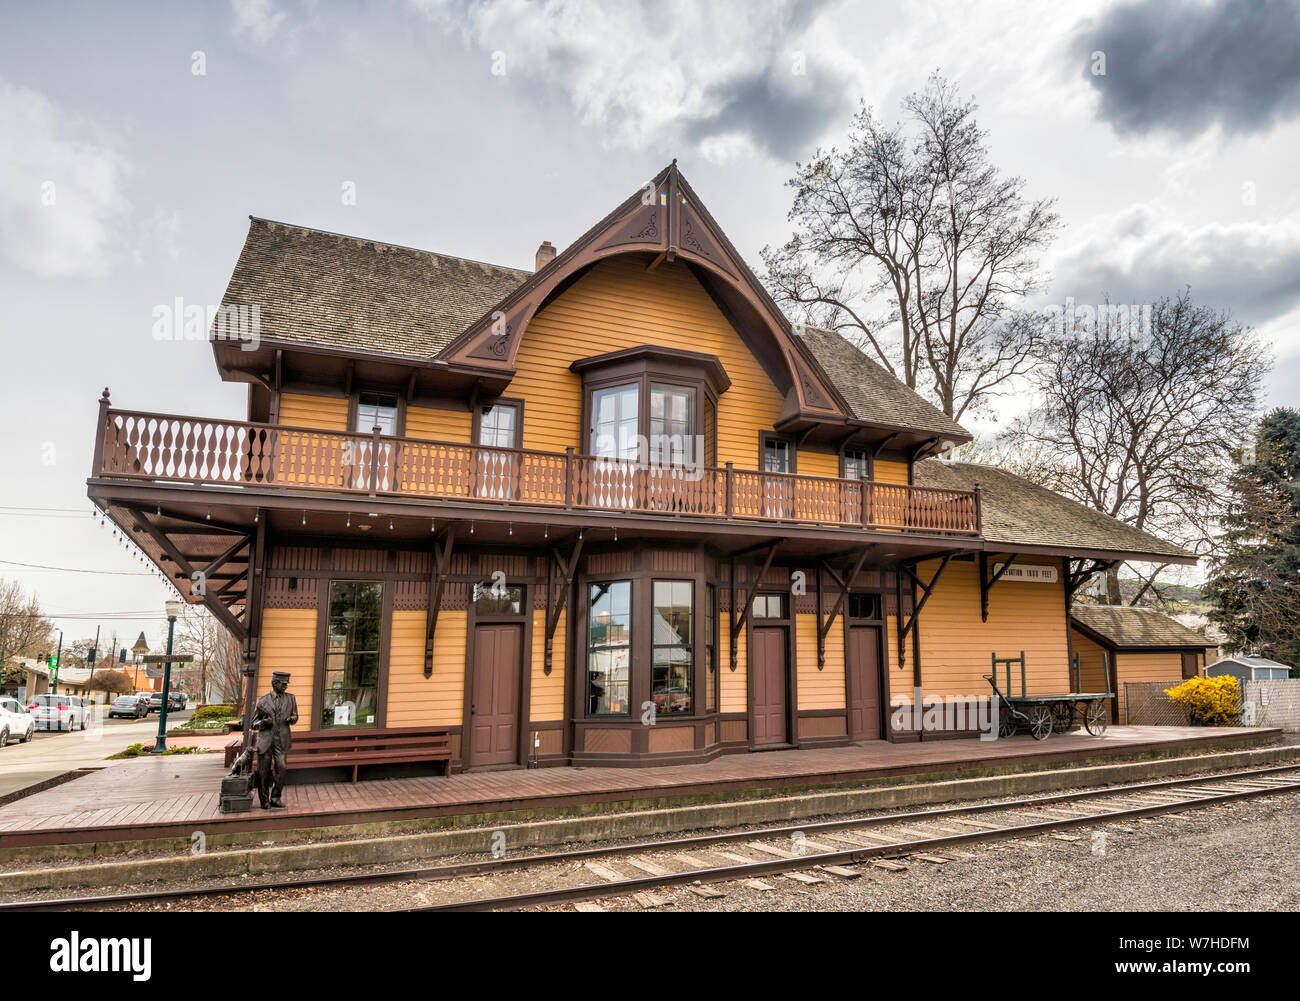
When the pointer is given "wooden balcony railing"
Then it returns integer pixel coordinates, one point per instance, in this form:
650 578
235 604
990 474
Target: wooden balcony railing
165 448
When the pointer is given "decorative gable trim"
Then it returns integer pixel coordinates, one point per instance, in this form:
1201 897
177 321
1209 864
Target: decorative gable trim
666 219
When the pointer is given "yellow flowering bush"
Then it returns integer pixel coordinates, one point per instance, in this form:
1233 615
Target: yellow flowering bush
1209 701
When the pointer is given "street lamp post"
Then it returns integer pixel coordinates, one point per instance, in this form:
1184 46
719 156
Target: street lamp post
173 610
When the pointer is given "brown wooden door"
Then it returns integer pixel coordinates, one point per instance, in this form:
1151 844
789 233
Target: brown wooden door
768 662
864 682
494 709
1191 667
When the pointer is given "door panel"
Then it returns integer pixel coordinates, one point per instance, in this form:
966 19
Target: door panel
1191 667
768 662
864 682
494 709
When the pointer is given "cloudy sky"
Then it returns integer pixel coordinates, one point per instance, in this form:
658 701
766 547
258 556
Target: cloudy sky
135 139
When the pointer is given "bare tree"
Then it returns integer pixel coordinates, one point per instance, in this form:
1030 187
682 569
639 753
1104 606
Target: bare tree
1142 425
24 629
199 633
914 245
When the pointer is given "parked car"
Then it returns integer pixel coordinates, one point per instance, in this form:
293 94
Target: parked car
129 706
59 712
15 721
175 701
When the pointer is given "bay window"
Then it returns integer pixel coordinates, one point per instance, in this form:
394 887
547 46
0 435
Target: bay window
672 661
609 648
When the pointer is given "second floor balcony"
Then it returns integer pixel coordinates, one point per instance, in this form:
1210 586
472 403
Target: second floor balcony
171 449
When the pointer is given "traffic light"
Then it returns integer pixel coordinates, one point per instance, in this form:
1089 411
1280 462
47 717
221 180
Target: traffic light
53 660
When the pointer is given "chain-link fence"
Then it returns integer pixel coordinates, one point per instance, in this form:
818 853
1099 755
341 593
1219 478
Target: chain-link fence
1146 704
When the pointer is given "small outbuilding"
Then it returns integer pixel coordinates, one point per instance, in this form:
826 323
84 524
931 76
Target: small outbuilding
1249 669
1116 644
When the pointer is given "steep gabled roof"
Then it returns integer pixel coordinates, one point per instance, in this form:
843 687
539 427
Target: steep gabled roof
1016 512
872 393
324 289
1123 627
331 291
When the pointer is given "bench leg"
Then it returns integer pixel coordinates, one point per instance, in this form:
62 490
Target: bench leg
354 773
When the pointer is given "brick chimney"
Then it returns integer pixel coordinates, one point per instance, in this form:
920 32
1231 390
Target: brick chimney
545 254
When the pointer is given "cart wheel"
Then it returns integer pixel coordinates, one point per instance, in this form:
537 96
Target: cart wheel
1062 716
1040 722
1095 717
1006 723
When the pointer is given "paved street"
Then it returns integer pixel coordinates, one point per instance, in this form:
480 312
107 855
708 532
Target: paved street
52 753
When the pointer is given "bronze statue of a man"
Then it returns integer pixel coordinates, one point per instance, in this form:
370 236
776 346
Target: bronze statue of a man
275 712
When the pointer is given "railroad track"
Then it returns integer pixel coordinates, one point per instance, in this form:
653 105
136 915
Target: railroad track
800 851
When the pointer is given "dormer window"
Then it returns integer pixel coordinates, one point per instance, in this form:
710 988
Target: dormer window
376 409
652 405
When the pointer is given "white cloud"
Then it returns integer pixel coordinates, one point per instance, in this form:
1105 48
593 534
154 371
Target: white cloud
659 75
61 198
1142 253
258 20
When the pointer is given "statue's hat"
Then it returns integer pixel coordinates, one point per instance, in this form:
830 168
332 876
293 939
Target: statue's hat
280 676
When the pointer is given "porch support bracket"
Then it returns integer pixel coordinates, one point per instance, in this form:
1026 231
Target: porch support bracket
925 590
824 624
986 583
738 621
209 597
565 570
437 585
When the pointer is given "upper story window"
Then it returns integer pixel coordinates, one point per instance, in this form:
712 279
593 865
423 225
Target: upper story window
672 425
856 464
616 422
655 405
498 425
778 455
376 409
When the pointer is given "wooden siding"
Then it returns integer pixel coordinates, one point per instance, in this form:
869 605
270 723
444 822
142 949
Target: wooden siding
289 644
822 689
810 463
619 304
324 413
1092 665
889 471
433 424
546 692
413 699
733 695
1146 667
956 645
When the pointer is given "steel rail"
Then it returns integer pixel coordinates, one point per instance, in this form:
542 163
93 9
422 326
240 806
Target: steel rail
486 866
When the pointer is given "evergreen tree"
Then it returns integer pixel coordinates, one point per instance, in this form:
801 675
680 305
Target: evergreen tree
1254 587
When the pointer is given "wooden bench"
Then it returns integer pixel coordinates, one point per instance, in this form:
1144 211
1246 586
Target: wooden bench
354 748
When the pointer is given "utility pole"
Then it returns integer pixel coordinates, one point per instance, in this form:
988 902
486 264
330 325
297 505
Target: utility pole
94 652
173 609
57 658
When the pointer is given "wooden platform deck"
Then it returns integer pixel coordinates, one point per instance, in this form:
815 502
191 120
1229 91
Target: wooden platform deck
173 796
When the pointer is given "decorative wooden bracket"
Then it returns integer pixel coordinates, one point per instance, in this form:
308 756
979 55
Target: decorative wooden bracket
986 584
564 569
1075 579
844 583
211 598
738 623
905 627
437 585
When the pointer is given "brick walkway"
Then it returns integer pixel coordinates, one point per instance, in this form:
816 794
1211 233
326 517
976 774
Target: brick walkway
172 796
